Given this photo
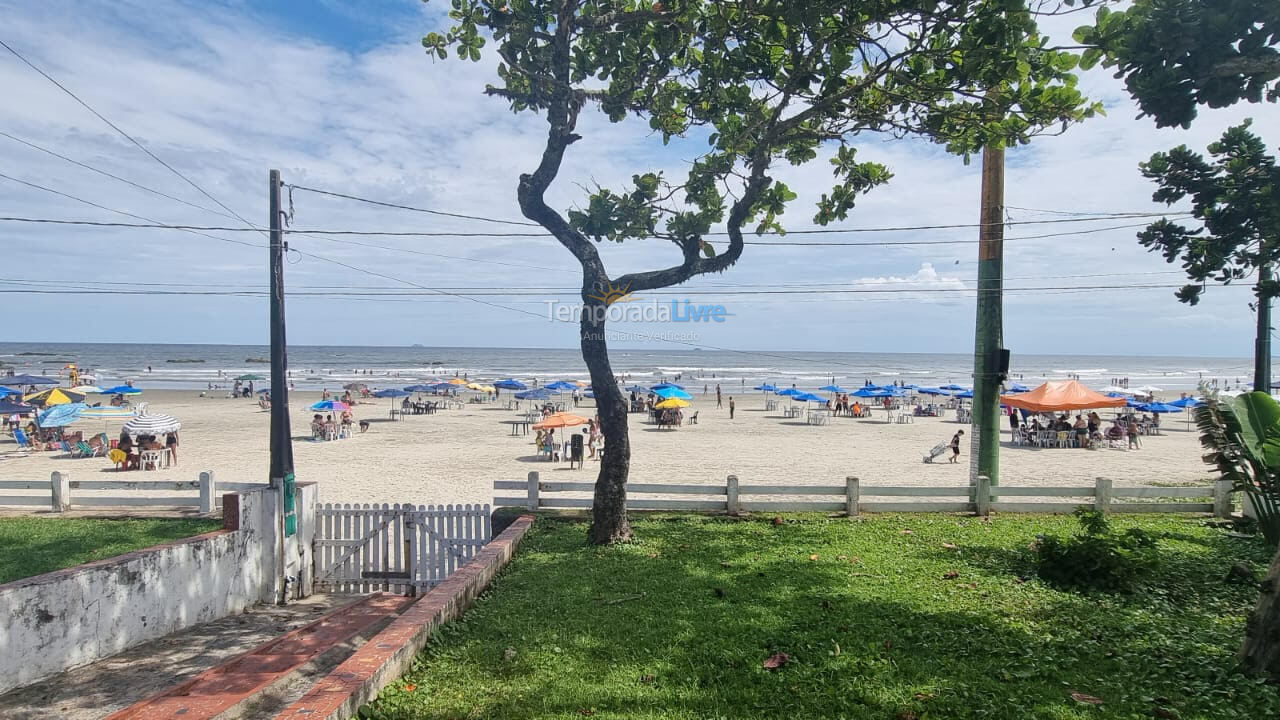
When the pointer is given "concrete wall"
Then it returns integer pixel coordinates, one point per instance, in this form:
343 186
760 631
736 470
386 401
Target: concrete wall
60 620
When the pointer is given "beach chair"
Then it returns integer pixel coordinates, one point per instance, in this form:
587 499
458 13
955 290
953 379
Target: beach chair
85 449
693 419
24 442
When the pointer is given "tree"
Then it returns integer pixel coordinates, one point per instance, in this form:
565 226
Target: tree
1236 198
1177 54
757 81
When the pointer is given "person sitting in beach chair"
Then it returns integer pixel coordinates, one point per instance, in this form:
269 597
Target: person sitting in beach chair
317 427
263 402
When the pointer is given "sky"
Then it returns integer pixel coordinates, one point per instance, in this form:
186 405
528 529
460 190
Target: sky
341 96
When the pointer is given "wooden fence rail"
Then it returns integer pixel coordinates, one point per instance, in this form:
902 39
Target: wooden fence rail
734 497
57 492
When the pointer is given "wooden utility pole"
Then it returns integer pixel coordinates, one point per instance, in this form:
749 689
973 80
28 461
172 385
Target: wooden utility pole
984 441
1262 345
281 473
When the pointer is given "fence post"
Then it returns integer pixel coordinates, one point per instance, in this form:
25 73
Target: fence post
852 495
60 484
533 490
206 491
731 491
982 499
1222 498
1102 494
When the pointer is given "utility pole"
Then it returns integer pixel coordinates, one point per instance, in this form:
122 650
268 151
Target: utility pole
984 442
281 473
1262 344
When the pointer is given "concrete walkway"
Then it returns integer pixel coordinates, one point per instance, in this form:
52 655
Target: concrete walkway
101 688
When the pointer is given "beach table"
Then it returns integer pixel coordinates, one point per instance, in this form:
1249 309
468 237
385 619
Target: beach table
518 427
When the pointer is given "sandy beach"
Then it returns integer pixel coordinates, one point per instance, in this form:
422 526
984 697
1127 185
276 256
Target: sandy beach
454 456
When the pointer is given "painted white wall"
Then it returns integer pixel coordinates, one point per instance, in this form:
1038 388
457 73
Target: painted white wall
54 622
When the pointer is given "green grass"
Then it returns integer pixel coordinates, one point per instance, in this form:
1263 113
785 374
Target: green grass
679 623
35 545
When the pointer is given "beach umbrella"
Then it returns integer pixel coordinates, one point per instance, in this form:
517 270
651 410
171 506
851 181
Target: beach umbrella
420 388
536 394
7 391
672 403
809 397
767 387
1186 402
87 389
832 388
1018 388
789 392
1150 389
1157 407
21 380
672 392
637 389
870 391
354 386
510 384
964 394
12 408
60 415
121 390
264 391
559 420
932 391
391 393
561 385
54 396
250 376
152 425
457 381
953 386
330 405
667 385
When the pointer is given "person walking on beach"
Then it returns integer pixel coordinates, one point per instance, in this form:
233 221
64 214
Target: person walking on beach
955 445
731 407
718 404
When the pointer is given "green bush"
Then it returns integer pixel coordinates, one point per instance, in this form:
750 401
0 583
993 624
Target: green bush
1097 558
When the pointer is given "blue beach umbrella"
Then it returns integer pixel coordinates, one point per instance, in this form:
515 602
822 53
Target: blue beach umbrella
510 384
809 397
1161 408
666 393
953 386
121 390
790 392
29 380
932 391
832 388
872 392
667 385
391 393
420 388
536 394
60 415
1018 388
330 405
637 389
1186 402
766 387
964 394
7 391
561 385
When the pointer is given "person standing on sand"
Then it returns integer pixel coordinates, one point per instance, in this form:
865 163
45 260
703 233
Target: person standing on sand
731 407
955 445
718 404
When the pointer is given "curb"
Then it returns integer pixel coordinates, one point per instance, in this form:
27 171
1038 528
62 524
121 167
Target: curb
389 654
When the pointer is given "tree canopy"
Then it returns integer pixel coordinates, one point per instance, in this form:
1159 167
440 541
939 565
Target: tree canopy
1175 55
1236 198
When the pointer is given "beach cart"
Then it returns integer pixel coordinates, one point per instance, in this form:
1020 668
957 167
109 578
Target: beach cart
936 451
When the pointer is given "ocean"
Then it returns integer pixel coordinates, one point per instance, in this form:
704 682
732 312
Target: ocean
319 367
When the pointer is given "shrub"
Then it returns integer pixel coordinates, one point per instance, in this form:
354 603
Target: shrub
1096 558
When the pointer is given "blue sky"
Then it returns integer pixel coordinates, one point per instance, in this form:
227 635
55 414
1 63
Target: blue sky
341 96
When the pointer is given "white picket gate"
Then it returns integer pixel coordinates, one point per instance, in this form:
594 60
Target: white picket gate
395 548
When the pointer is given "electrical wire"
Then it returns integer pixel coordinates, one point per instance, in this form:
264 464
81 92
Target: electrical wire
414 209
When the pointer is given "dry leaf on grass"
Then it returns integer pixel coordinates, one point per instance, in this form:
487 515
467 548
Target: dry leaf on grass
1087 699
950 546
813 556
950 575
777 660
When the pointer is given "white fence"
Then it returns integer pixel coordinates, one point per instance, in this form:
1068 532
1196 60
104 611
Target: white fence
734 498
397 548
57 493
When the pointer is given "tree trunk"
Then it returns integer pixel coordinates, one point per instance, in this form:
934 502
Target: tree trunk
1261 652
609 508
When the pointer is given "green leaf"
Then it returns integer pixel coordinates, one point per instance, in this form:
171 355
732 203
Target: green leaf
1259 416
708 250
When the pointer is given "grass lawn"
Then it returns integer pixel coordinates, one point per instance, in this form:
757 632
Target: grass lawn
897 617
35 545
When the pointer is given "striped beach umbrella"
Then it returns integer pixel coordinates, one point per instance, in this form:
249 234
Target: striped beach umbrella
152 425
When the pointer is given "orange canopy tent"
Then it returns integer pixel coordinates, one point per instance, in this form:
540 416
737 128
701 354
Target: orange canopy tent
1061 395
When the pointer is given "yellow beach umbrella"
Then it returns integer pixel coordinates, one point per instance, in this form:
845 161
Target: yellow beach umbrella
672 403
54 396
457 381
475 386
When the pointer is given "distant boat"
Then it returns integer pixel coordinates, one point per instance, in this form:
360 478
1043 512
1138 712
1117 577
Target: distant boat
417 345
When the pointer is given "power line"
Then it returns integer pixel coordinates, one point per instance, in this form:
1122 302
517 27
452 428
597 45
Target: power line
122 212
126 181
414 209
122 133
